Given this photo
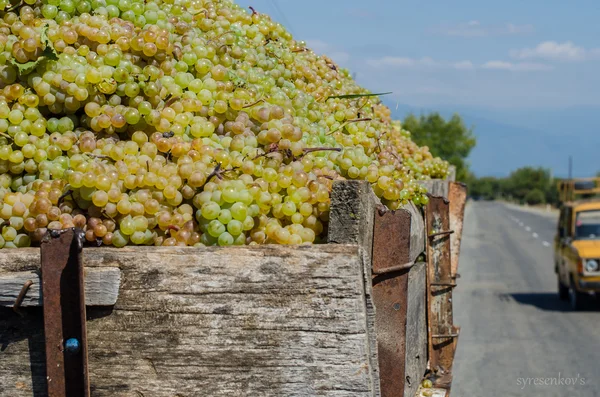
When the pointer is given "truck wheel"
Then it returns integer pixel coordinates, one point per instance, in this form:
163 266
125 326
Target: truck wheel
563 291
576 298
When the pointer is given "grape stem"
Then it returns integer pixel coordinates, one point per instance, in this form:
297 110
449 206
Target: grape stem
218 172
65 194
98 156
272 149
363 105
177 52
253 10
14 7
171 101
219 36
170 228
254 103
348 122
318 149
110 217
394 154
326 177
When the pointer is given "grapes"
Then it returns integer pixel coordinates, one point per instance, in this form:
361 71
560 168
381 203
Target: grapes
197 125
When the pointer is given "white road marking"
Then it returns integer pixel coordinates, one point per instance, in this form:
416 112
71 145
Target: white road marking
546 244
535 235
527 228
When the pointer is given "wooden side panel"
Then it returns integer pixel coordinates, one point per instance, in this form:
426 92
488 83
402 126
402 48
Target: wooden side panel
236 321
416 329
457 195
351 221
417 232
436 187
101 287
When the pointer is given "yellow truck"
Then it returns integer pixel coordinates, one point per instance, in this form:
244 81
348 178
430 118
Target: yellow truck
577 242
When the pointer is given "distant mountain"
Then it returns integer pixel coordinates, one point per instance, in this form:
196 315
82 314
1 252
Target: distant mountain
509 139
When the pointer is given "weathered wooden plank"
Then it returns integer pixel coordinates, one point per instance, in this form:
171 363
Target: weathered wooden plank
457 196
416 329
417 231
351 214
101 287
451 173
436 187
235 321
351 220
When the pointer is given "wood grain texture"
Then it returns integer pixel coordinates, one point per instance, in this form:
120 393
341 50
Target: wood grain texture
436 187
451 173
457 195
101 287
351 221
236 321
416 329
417 231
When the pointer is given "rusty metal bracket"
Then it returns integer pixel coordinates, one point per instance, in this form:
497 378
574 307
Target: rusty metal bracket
439 274
21 296
443 285
64 314
444 233
445 336
392 269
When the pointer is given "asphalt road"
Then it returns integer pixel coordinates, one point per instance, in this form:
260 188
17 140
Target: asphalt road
517 338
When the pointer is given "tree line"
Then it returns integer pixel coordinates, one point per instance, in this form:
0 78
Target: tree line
526 185
453 141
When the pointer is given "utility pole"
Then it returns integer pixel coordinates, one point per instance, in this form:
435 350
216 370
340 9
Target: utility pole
570 167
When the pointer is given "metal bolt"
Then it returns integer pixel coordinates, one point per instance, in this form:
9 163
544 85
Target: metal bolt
396 306
72 346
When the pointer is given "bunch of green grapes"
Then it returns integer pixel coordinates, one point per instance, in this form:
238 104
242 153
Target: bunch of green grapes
183 123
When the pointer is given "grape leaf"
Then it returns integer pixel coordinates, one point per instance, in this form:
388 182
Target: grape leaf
352 96
236 79
27 67
48 53
49 50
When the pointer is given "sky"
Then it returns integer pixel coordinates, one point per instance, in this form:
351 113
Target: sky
498 54
526 68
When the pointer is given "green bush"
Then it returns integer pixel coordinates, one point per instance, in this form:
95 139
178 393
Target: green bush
535 196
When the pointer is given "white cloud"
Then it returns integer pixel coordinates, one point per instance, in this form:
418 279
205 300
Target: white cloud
519 29
552 50
475 28
401 62
323 48
516 67
340 57
465 65
317 46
